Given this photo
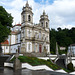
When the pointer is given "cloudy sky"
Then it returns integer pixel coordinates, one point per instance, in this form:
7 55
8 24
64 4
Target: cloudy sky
61 12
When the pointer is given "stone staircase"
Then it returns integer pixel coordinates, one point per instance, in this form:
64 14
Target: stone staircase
2 60
60 62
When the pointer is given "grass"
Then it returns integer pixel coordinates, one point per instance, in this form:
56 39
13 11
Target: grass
34 61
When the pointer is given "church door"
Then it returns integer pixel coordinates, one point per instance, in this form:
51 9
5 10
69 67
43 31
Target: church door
40 48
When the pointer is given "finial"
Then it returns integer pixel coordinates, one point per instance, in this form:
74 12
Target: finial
43 12
27 5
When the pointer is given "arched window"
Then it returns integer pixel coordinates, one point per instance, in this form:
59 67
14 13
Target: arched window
46 24
29 18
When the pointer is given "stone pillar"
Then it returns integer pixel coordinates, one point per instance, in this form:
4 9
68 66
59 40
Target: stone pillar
57 52
17 63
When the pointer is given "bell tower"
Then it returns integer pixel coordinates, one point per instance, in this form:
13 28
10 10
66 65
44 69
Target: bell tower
44 21
26 23
27 15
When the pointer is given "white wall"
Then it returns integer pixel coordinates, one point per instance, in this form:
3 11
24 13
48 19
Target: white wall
5 49
13 38
48 49
73 61
73 49
18 36
14 48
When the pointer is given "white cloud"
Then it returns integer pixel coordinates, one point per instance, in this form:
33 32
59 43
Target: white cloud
61 12
66 26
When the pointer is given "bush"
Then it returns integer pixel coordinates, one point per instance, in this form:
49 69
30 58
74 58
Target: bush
70 67
48 60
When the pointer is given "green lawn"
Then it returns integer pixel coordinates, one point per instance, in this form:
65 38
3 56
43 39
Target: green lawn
35 61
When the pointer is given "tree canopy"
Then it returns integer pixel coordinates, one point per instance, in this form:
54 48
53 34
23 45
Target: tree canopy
5 24
64 37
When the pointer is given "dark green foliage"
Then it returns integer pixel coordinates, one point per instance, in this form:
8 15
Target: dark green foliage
62 52
64 37
0 49
66 70
52 41
48 59
5 24
70 67
4 32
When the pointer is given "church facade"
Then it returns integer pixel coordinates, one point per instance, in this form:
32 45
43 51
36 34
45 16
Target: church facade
28 37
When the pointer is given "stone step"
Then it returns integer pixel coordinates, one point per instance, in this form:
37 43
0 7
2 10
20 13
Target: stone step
2 60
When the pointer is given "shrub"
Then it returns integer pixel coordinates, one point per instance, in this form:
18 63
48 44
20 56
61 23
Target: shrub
70 67
48 60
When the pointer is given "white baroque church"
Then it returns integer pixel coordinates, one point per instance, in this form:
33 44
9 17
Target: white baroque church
28 37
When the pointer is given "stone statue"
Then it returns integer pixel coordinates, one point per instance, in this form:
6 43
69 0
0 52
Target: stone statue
45 50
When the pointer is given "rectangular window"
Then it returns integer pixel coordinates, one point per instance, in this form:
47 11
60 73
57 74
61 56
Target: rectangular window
43 36
17 39
29 46
29 33
39 35
6 47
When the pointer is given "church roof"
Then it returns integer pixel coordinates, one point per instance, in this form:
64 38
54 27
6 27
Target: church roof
13 32
5 42
17 25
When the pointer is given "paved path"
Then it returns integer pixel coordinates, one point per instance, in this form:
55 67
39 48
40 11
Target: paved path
8 71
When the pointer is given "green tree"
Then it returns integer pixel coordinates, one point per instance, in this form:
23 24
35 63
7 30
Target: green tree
72 34
59 29
5 24
53 41
64 37
53 45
